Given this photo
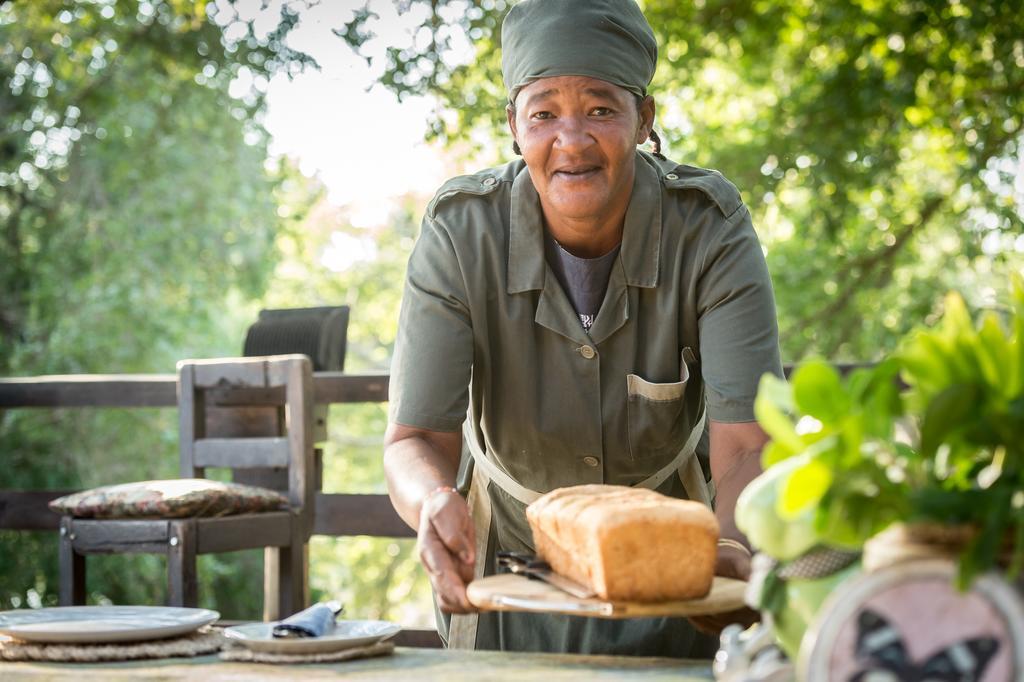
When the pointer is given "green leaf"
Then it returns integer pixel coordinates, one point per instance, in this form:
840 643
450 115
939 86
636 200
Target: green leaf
956 319
1017 556
923 361
994 359
846 522
804 489
757 514
773 453
773 592
774 400
982 552
817 391
947 412
852 432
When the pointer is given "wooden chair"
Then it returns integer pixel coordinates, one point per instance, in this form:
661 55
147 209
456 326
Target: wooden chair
284 381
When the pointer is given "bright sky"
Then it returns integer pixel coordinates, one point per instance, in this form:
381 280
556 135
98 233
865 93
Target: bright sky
365 146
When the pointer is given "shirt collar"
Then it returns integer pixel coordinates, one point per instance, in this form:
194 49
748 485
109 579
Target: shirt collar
641 235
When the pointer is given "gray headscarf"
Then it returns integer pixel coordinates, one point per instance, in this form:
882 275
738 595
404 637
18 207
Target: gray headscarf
606 39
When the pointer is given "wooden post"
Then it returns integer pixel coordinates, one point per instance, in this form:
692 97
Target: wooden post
291 585
71 591
182 589
191 419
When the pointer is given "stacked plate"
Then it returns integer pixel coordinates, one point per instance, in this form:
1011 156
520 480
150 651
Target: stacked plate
100 624
347 634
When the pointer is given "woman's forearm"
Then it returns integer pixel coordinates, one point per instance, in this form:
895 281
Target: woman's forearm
417 462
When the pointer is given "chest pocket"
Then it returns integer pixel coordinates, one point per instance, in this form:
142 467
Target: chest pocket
654 414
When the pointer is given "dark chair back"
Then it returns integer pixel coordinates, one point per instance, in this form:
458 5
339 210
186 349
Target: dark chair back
319 333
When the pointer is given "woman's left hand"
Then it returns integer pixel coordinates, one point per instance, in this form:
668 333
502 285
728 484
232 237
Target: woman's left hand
732 563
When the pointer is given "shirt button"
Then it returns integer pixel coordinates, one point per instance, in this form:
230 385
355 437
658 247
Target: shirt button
591 461
489 182
588 352
671 176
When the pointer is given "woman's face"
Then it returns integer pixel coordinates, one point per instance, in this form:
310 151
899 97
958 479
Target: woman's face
578 136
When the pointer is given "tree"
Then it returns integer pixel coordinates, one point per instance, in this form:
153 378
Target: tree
876 142
137 222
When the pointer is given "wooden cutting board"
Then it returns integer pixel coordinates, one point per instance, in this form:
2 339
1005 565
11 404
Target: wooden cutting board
509 592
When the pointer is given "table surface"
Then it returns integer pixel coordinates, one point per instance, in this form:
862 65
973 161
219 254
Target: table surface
421 665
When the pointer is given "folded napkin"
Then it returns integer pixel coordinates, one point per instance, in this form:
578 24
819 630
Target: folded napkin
316 621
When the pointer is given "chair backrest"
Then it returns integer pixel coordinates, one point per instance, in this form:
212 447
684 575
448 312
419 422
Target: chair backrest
284 381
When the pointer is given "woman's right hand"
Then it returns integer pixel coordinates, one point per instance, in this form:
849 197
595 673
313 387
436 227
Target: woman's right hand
446 541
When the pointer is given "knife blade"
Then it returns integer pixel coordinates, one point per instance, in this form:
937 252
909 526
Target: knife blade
531 567
561 582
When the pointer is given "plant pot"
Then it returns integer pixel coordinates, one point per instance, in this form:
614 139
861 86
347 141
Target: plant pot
902 542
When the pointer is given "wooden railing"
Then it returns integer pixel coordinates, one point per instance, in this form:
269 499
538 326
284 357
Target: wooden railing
336 514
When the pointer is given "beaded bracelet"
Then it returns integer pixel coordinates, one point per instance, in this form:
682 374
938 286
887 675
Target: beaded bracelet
439 489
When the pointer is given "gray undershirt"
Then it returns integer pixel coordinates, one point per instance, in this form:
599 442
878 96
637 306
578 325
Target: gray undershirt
584 280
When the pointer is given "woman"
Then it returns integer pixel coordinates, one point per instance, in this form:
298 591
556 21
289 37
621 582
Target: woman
593 306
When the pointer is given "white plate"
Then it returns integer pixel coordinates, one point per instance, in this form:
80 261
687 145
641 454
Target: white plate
91 624
347 634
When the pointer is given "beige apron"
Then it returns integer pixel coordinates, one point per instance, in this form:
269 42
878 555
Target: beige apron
463 628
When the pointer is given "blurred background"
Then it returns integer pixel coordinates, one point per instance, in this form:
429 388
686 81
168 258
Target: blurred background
169 167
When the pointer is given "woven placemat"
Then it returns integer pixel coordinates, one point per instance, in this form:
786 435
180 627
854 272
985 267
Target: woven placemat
199 643
237 653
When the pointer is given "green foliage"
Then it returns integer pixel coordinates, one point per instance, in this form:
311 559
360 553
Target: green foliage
875 142
757 515
137 225
849 457
968 381
845 436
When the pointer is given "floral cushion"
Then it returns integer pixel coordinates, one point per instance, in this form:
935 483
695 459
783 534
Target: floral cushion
173 499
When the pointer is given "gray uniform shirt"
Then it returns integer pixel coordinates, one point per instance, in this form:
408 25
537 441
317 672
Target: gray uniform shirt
687 320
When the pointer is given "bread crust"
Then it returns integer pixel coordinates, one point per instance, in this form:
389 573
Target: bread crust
627 544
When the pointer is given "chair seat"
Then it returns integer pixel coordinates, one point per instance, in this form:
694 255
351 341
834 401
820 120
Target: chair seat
171 499
149 536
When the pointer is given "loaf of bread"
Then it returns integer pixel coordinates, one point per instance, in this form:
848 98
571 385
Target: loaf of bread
627 544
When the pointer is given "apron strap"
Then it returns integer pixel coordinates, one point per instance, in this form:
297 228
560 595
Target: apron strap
493 473
462 627
687 466
682 464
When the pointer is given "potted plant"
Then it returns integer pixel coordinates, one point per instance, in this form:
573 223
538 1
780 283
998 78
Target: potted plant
930 441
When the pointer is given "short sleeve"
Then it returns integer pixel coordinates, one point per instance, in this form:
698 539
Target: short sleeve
433 359
739 334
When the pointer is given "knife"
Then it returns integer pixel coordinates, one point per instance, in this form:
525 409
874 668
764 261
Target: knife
602 609
538 569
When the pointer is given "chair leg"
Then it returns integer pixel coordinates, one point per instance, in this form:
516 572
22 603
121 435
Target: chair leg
285 575
271 584
182 587
291 579
71 590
